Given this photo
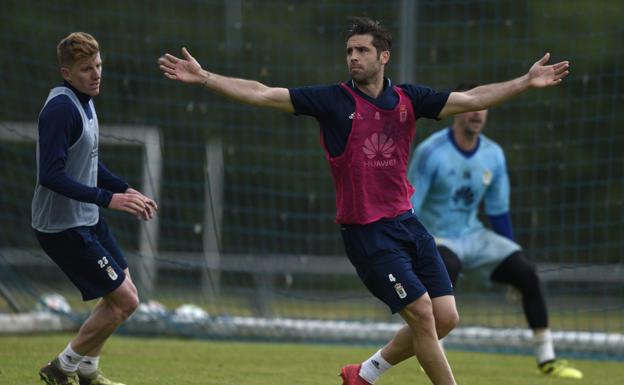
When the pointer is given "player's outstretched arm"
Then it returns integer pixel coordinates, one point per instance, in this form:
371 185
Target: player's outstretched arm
188 70
540 75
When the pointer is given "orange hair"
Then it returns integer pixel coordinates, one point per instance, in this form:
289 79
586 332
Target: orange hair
76 46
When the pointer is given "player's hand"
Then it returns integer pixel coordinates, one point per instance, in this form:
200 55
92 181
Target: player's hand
542 75
150 205
135 203
187 70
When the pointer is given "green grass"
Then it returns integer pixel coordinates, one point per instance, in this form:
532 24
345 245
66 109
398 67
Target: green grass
150 361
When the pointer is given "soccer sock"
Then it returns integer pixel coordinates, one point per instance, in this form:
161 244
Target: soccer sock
69 359
374 367
544 349
88 366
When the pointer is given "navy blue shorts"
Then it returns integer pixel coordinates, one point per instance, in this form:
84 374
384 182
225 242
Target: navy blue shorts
397 259
89 257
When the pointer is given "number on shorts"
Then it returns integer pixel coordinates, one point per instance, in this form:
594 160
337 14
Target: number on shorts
102 262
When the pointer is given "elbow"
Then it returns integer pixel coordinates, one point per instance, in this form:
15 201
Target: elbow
262 98
480 106
46 181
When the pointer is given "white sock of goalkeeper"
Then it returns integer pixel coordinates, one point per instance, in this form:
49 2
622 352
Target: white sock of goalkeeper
374 367
544 349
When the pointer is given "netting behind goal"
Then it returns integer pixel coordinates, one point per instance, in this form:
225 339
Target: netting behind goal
245 245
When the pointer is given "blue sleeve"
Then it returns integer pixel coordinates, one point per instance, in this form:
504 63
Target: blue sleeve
110 181
57 125
331 106
496 197
317 101
427 102
501 224
420 173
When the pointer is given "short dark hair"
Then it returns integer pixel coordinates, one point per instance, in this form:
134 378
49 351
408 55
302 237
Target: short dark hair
382 38
466 86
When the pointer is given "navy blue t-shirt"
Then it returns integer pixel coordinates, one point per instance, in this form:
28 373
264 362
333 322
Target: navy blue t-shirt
332 106
60 126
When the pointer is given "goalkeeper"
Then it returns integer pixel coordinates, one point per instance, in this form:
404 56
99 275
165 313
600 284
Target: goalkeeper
453 171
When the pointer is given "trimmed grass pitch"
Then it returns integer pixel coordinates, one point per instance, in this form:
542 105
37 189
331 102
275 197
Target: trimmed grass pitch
150 361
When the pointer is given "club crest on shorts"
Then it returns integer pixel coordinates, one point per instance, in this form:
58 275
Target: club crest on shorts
111 273
400 290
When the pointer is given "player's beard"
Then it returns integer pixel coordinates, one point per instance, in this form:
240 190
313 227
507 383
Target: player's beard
365 76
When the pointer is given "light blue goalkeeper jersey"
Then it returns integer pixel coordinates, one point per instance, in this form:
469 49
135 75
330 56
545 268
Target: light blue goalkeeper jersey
451 183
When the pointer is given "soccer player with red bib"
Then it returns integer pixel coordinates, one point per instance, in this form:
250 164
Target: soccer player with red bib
367 125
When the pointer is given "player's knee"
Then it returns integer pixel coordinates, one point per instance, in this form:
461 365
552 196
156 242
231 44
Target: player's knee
123 304
419 314
130 305
447 322
528 280
519 272
124 309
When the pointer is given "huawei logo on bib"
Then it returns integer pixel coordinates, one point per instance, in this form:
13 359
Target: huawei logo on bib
378 145
379 149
